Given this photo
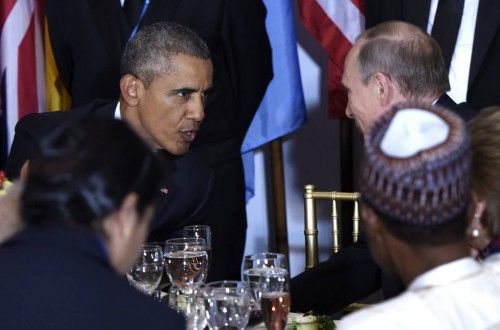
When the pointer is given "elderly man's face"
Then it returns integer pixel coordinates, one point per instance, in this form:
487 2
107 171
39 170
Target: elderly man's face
171 109
363 100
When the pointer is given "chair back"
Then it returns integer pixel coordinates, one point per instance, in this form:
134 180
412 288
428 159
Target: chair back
311 224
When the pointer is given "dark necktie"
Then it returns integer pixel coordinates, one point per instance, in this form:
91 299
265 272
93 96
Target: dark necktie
446 26
132 10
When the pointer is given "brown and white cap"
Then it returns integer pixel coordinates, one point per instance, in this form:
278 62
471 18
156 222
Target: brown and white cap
416 166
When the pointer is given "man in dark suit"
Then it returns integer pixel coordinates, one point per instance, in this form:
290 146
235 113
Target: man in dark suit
162 99
390 63
482 88
88 37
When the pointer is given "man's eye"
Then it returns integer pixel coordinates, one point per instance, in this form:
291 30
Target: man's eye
184 94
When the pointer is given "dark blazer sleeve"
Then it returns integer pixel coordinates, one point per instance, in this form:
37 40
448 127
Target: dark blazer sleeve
24 145
248 52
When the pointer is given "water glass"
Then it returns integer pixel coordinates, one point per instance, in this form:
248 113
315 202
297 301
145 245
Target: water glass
227 304
266 273
186 262
145 274
201 231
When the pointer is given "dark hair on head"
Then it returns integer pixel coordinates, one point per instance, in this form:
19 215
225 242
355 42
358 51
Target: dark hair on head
149 52
85 169
406 55
484 129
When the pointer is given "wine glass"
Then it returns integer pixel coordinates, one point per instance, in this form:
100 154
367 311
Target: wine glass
201 231
275 298
254 270
186 262
145 274
227 304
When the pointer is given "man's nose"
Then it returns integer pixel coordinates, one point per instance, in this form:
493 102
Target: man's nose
197 109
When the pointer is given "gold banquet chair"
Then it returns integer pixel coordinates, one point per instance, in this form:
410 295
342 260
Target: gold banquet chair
311 224
311 227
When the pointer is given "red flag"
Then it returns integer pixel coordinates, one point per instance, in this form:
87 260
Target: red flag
21 64
335 24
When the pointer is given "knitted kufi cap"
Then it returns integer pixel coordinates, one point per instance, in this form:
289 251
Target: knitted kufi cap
416 167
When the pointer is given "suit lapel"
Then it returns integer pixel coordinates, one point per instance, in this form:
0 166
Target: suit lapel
112 27
160 10
487 24
416 16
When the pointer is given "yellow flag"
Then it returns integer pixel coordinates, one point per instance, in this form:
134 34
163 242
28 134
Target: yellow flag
58 97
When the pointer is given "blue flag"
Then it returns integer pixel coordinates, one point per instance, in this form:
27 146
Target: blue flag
282 109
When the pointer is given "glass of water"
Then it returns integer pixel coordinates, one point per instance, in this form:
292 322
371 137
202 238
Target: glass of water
186 262
201 231
145 274
255 271
227 304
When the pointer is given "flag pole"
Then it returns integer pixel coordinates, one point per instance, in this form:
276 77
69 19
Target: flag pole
278 232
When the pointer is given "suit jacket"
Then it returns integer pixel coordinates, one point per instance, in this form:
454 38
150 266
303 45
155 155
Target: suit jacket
188 178
59 277
483 89
351 274
88 37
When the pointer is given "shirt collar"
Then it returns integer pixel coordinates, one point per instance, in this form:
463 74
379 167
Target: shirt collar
447 273
117 111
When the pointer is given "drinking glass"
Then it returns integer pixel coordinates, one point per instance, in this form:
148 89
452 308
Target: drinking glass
275 298
186 262
145 274
201 231
227 304
260 271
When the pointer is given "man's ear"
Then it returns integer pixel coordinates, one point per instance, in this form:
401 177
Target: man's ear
370 219
129 88
383 89
23 174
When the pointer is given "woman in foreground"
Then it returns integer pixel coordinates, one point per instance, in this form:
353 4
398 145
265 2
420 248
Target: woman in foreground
86 206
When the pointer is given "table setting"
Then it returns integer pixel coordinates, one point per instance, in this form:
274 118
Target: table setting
260 300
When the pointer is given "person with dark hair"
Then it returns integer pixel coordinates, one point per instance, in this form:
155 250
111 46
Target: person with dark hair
86 207
389 63
483 230
88 39
415 200
167 73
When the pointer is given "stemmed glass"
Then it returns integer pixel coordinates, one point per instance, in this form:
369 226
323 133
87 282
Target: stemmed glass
201 231
145 274
186 262
267 276
227 304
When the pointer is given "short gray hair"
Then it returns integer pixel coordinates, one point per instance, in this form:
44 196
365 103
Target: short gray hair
406 55
149 52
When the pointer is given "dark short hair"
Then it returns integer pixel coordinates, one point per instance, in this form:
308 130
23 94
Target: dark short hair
406 55
149 52
84 170
484 129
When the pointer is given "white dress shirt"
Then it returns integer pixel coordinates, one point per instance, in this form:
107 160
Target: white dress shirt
458 295
460 61
493 262
118 114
